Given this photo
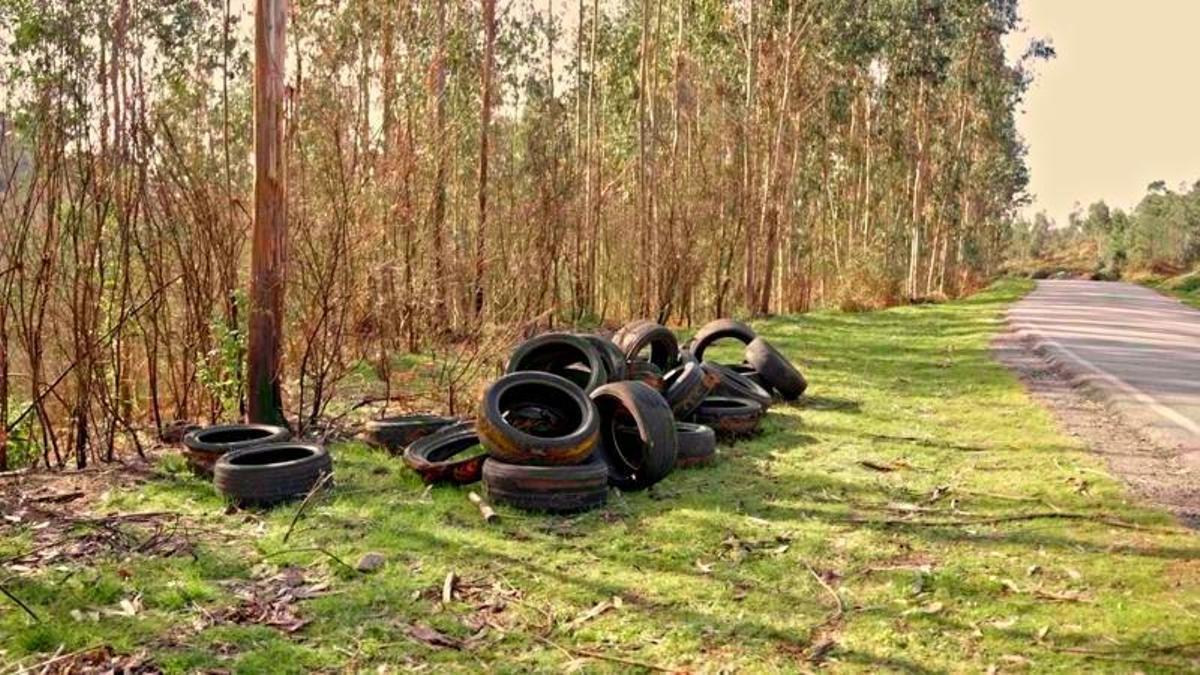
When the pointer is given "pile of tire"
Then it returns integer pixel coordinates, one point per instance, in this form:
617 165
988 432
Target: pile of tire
574 415
744 390
256 464
577 414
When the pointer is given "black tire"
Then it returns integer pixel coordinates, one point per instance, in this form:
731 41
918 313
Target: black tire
553 489
610 354
719 330
641 370
728 416
437 457
397 433
272 473
638 335
750 373
537 418
775 370
736 385
697 444
686 387
637 434
203 447
563 354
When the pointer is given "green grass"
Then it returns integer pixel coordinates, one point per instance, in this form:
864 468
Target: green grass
715 567
1185 287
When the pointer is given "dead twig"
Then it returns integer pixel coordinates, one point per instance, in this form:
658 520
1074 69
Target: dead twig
313 549
878 466
9 594
318 487
1020 517
485 509
587 653
58 498
841 608
1115 657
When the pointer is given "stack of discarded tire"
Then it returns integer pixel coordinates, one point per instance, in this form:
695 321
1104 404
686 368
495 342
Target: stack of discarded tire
255 464
575 414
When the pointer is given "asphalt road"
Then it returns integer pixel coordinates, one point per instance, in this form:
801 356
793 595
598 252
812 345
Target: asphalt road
1136 348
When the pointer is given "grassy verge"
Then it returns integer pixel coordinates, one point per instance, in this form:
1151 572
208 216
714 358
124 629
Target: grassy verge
1185 286
864 529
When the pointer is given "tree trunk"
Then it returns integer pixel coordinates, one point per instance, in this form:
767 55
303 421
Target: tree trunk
267 259
485 121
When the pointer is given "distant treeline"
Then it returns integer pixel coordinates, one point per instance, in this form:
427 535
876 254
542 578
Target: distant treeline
1160 235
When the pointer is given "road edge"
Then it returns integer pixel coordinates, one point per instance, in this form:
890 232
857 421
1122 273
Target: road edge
1137 407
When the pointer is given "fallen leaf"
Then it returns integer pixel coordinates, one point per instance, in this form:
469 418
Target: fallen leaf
592 613
930 609
432 637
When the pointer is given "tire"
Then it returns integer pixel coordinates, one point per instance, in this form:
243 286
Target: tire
563 354
172 433
750 373
397 433
736 385
697 445
553 489
641 370
686 387
271 473
775 370
728 416
436 457
637 434
537 418
610 354
719 330
203 447
638 335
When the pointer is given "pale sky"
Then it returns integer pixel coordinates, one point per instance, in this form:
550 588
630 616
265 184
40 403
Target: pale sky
1119 107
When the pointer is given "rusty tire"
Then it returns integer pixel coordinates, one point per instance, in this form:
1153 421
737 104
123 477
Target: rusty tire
563 354
271 473
536 418
720 329
204 446
553 489
775 370
610 354
641 370
637 434
737 385
697 444
686 387
437 457
397 433
641 334
729 416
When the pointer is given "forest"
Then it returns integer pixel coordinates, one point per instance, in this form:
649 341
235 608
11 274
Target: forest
460 173
1159 237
